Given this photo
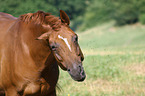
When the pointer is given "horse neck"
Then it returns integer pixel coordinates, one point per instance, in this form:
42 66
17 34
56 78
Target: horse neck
37 50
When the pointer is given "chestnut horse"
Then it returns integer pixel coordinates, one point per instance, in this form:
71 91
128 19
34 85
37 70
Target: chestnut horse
31 49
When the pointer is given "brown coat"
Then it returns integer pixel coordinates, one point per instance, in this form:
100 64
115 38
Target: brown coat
24 59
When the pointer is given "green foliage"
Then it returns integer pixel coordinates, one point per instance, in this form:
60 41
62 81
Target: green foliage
18 7
126 12
121 11
97 12
142 18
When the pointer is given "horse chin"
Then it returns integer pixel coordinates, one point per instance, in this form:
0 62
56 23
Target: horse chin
78 78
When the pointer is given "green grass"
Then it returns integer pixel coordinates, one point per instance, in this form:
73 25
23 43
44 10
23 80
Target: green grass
114 63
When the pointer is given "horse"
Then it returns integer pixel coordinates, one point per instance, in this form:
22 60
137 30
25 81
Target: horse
32 48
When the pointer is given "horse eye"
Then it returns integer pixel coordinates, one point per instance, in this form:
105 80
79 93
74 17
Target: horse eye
53 47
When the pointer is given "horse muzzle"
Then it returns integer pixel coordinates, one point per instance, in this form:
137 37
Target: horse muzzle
77 73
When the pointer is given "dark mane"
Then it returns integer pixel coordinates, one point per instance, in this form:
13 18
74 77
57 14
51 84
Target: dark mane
41 17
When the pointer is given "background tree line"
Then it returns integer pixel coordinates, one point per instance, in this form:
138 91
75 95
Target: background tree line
83 13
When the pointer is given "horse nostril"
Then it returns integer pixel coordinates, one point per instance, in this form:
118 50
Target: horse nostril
80 68
68 70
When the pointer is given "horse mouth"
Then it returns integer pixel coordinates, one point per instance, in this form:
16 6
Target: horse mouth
77 74
81 79
78 78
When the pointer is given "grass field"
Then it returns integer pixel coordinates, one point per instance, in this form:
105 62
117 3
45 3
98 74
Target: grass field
114 63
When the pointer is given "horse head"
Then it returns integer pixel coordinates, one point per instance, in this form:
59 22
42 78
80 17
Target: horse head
64 45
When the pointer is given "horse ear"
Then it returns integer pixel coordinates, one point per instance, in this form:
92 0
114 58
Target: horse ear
64 17
44 36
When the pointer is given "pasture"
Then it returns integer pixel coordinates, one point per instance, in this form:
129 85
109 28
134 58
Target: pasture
114 62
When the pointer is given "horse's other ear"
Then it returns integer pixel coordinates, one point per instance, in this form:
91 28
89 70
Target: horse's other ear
44 36
64 17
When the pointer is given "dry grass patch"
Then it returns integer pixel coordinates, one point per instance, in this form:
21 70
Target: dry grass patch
133 88
103 86
138 69
127 88
93 52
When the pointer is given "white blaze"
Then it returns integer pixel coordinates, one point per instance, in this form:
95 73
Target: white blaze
65 40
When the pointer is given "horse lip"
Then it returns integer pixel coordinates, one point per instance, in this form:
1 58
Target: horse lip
82 79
